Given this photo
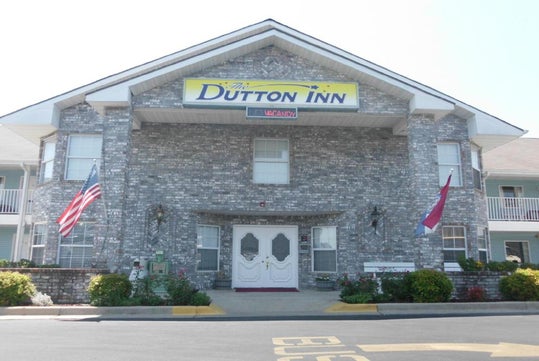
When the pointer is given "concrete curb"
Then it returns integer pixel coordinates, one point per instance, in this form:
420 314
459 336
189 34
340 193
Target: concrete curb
338 309
147 311
458 308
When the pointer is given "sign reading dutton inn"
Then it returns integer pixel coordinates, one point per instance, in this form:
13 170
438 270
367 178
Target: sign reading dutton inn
242 92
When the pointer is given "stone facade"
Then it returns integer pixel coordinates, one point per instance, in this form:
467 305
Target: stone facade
196 172
488 281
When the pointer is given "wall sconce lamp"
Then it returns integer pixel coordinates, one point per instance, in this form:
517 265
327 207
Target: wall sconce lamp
159 215
375 217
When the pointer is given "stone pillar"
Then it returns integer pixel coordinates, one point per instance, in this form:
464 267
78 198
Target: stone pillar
424 184
117 128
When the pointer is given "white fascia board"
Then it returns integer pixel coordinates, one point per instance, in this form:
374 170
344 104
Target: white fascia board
423 103
44 113
115 96
484 124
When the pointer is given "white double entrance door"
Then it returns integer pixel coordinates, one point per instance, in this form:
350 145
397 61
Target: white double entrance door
265 256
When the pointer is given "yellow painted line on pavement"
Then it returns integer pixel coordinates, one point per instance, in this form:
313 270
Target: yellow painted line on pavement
349 307
197 310
501 349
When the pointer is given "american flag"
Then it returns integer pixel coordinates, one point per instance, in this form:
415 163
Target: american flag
89 192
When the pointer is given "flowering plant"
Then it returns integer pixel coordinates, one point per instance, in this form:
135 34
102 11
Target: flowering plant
323 277
361 290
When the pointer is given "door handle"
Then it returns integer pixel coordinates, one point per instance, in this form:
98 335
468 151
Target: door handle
267 262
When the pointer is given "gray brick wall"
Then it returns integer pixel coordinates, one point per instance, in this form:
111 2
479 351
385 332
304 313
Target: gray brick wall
187 168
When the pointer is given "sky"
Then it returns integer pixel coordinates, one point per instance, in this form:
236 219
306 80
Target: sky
482 52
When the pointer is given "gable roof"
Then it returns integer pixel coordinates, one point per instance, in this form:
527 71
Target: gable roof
116 90
516 159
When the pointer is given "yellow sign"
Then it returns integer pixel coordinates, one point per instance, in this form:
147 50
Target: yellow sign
242 93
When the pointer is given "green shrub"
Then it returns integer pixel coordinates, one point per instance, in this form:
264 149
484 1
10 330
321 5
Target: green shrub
505 266
520 286
109 290
534 274
15 288
365 286
179 290
201 299
428 285
394 288
532 266
143 292
182 293
24 263
469 264
4 263
358 298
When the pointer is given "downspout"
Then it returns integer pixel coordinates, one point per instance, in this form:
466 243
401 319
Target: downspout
22 213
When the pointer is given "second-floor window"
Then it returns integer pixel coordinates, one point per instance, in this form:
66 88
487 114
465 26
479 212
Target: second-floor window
271 161
82 150
476 169
47 161
449 159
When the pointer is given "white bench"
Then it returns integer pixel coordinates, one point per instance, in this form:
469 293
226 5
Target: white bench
452 267
374 267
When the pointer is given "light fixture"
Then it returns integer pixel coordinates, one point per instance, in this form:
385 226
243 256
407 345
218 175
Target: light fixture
159 215
375 217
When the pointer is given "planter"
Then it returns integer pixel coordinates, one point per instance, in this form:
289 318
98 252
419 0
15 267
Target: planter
325 285
222 284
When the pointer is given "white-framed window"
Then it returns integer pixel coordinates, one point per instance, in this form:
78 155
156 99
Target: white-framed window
271 161
324 257
449 159
82 150
476 169
517 251
482 244
47 161
77 249
454 239
39 236
208 241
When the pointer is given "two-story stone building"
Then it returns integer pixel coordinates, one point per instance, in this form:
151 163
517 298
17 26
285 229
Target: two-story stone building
266 154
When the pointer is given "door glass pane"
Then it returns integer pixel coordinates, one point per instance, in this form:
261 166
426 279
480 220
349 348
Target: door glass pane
249 247
280 247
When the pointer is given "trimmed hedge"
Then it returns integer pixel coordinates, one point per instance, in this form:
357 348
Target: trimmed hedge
15 288
109 290
428 285
523 285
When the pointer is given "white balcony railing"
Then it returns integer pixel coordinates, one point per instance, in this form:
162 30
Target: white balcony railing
10 201
518 209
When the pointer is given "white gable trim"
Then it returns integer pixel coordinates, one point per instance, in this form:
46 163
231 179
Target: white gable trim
115 90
